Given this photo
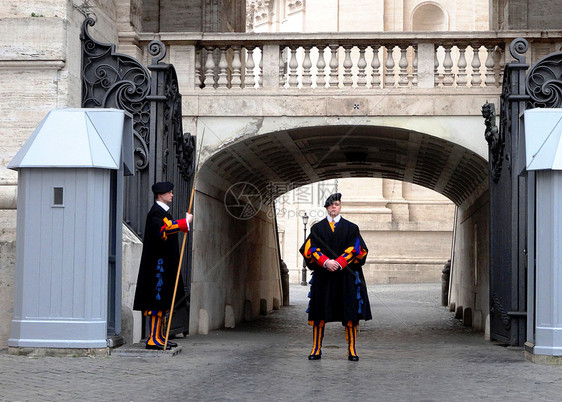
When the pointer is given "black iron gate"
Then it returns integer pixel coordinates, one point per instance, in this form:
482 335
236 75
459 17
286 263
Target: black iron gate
508 206
512 189
162 151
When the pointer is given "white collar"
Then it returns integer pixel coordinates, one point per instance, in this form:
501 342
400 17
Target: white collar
164 206
336 219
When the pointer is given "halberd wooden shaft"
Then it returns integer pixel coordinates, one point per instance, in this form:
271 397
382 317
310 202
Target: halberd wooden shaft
175 291
183 245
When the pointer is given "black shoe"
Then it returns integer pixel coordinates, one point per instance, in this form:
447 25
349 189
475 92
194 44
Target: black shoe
314 357
158 347
172 344
353 358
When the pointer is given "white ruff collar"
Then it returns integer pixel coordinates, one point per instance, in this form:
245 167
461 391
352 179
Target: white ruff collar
164 206
336 219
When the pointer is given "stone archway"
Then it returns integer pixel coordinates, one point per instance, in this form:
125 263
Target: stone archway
241 275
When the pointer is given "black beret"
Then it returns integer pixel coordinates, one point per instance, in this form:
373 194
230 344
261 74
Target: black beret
162 187
331 199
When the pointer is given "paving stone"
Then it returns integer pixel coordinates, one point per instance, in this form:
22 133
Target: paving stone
413 350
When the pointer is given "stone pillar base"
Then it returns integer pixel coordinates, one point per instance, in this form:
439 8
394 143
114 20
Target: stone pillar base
59 352
541 359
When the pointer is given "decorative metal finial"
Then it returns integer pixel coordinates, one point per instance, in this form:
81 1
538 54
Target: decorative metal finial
86 9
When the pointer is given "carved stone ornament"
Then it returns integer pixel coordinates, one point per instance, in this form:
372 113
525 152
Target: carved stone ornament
495 140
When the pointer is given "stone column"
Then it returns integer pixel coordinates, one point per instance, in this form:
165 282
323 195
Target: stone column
392 190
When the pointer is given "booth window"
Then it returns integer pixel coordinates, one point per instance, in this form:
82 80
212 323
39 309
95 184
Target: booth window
58 196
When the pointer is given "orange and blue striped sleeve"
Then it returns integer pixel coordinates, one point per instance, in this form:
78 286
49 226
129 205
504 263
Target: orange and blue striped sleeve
172 227
314 254
352 254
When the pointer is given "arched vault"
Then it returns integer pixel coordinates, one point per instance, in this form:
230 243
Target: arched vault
306 155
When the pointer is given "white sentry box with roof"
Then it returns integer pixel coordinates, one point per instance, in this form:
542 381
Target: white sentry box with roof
543 149
69 218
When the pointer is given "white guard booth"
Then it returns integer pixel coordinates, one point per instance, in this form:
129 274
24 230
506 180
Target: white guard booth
543 148
69 198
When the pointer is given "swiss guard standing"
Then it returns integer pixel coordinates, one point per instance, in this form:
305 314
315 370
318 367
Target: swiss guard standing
335 252
159 264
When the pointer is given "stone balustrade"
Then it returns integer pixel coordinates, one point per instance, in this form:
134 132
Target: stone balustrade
353 61
388 65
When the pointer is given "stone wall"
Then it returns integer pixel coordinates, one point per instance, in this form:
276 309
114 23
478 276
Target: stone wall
131 325
7 273
236 272
469 290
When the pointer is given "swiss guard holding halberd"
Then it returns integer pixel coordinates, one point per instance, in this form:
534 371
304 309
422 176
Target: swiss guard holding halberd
335 252
159 264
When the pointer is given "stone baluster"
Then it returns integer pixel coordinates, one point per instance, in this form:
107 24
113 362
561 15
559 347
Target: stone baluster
448 67
414 73
476 79
461 65
223 66
199 78
334 81
403 65
293 67
375 66
347 65
320 68
361 66
209 68
249 81
283 80
490 79
389 66
499 60
260 72
236 79
306 66
437 76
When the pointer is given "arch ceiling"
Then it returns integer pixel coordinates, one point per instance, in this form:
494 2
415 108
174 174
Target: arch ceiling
307 155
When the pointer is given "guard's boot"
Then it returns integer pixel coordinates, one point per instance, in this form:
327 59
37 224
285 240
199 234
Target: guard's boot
155 341
351 338
317 337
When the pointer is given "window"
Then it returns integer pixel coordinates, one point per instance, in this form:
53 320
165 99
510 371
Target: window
58 196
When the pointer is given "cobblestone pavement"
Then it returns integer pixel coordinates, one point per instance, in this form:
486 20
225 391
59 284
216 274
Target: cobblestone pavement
413 350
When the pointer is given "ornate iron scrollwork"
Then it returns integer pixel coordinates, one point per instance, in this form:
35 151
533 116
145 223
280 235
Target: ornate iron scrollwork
497 307
544 82
151 95
113 80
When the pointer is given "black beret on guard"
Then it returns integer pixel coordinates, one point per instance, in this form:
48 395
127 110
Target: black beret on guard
162 187
331 199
